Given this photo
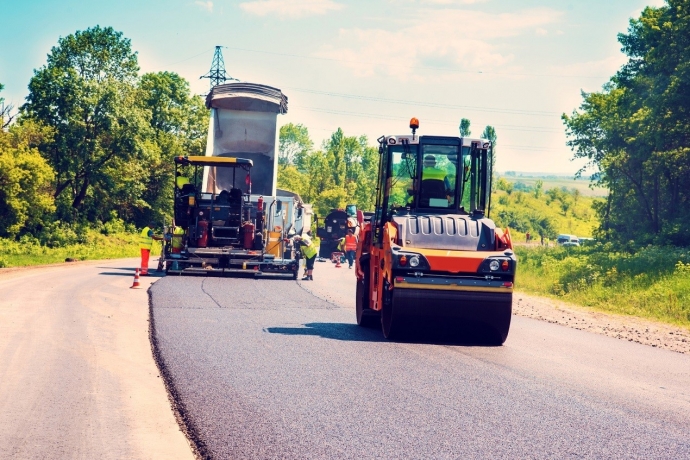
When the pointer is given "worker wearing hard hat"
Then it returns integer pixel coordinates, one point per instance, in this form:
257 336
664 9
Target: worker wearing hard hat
430 171
146 242
309 251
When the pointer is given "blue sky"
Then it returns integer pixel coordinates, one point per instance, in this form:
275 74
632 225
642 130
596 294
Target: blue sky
366 66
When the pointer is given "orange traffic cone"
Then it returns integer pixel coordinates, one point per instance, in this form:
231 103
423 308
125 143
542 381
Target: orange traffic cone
136 284
337 262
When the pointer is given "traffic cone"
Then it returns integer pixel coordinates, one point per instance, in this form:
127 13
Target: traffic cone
337 262
136 284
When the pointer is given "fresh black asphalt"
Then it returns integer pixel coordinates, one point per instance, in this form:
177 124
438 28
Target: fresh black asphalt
265 369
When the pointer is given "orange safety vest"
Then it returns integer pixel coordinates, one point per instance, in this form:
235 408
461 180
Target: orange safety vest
350 243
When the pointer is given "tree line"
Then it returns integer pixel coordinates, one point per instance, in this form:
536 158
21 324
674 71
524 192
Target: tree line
94 140
636 132
343 171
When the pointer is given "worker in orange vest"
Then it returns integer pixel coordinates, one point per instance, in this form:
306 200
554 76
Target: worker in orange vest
350 247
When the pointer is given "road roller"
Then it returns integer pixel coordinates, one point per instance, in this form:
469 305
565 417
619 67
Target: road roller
430 256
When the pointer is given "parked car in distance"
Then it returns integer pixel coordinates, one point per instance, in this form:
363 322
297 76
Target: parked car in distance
568 240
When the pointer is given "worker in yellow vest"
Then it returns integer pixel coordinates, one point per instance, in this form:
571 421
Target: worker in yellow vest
350 247
180 180
309 250
177 240
431 171
146 242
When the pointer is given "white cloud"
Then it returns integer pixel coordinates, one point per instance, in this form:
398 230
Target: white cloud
460 39
205 5
290 8
452 2
541 31
440 2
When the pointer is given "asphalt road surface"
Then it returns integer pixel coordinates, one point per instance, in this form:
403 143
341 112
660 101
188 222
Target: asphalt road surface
279 369
77 375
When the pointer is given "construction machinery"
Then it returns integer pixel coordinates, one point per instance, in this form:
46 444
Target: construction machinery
224 232
231 217
335 226
431 256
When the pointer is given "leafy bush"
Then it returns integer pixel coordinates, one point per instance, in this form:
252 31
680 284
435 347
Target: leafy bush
650 281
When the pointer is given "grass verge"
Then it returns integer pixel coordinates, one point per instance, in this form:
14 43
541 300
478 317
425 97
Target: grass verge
650 283
96 247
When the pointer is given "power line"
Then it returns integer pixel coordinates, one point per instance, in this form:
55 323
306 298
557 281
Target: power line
187 59
393 64
431 121
538 113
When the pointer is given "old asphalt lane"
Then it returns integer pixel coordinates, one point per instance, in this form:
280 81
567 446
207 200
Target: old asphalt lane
275 369
77 375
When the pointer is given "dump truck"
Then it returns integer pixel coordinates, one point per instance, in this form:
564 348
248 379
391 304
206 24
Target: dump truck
231 217
335 226
430 254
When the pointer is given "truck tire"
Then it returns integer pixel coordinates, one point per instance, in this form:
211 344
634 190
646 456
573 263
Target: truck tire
366 317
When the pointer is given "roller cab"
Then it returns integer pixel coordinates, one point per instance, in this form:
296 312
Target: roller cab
431 253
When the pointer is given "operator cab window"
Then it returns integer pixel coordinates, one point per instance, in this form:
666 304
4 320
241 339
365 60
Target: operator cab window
438 178
401 181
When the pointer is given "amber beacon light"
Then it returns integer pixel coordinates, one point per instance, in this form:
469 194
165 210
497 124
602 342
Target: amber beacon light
414 125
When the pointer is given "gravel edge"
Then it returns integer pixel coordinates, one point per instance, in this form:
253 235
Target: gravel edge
630 328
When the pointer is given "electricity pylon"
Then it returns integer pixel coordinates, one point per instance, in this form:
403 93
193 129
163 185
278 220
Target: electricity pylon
217 73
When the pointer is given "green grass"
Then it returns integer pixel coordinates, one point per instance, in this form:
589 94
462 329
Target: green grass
96 247
652 283
520 211
582 185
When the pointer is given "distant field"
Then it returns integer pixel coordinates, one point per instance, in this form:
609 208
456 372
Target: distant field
559 181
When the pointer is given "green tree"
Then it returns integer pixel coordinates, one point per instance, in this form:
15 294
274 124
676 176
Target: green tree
179 124
538 189
335 154
290 178
490 134
465 128
86 93
294 145
635 131
26 201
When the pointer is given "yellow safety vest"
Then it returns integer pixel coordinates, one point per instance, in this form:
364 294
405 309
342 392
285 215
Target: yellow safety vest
145 241
433 173
177 238
180 181
309 251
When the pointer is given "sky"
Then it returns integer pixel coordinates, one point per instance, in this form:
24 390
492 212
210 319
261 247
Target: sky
366 66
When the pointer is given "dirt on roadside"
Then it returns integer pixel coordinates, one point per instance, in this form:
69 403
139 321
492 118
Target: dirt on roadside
628 328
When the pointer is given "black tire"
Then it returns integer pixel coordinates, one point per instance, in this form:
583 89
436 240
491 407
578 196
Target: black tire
501 326
366 317
392 324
